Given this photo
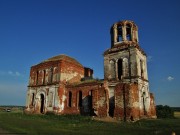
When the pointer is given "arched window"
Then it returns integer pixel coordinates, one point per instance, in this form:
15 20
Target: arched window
125 67
120 69
70 99
141 69
128 32
50 75
55 74
32 78
32 100
80 99
112 69
50 99
44 76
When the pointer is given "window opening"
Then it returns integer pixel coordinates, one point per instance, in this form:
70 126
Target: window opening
50 75
70 99
50 99
32 102
141 68
44 76
80 99
42 103
120 69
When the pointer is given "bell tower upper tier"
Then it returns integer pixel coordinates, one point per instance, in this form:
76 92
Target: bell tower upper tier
125 60
124 32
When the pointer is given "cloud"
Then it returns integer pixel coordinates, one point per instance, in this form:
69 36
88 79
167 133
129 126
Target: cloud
149 58
170 78
17 73
14 73
11 73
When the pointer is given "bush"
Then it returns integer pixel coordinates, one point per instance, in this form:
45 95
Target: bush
164 111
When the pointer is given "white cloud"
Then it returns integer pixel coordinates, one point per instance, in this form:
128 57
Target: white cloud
170 78
11 73
17 73
149 58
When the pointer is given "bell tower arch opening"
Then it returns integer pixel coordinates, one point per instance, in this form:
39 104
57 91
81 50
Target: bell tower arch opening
124 31
119 33
128 32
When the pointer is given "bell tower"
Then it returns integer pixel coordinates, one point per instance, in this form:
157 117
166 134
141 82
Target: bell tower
124 31
125 63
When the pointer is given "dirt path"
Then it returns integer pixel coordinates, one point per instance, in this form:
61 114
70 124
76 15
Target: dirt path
3 132
105 119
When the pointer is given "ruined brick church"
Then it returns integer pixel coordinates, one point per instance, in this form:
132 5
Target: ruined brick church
61 85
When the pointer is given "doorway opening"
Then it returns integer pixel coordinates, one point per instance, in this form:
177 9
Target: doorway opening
144 107
90 101
80 99
32 101
42 104
70 99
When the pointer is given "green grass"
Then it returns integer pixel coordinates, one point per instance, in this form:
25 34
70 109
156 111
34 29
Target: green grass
79 125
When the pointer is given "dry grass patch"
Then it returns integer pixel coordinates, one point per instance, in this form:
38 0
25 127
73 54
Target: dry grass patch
177 114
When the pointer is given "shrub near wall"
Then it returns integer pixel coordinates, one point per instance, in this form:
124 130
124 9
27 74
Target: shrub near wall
164 111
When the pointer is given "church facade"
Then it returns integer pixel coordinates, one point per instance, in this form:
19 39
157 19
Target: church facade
61 85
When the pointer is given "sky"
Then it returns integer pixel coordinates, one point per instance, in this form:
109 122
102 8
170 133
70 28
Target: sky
34 30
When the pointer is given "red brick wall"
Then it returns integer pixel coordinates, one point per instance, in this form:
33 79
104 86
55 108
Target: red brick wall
41 67
125 96
72 69
98 94
152 106
62 66
102 100
134 98
119 104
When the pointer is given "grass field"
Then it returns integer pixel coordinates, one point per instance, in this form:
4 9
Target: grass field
20 123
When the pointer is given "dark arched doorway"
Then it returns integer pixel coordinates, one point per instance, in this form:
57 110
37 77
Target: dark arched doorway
42 104
80 99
